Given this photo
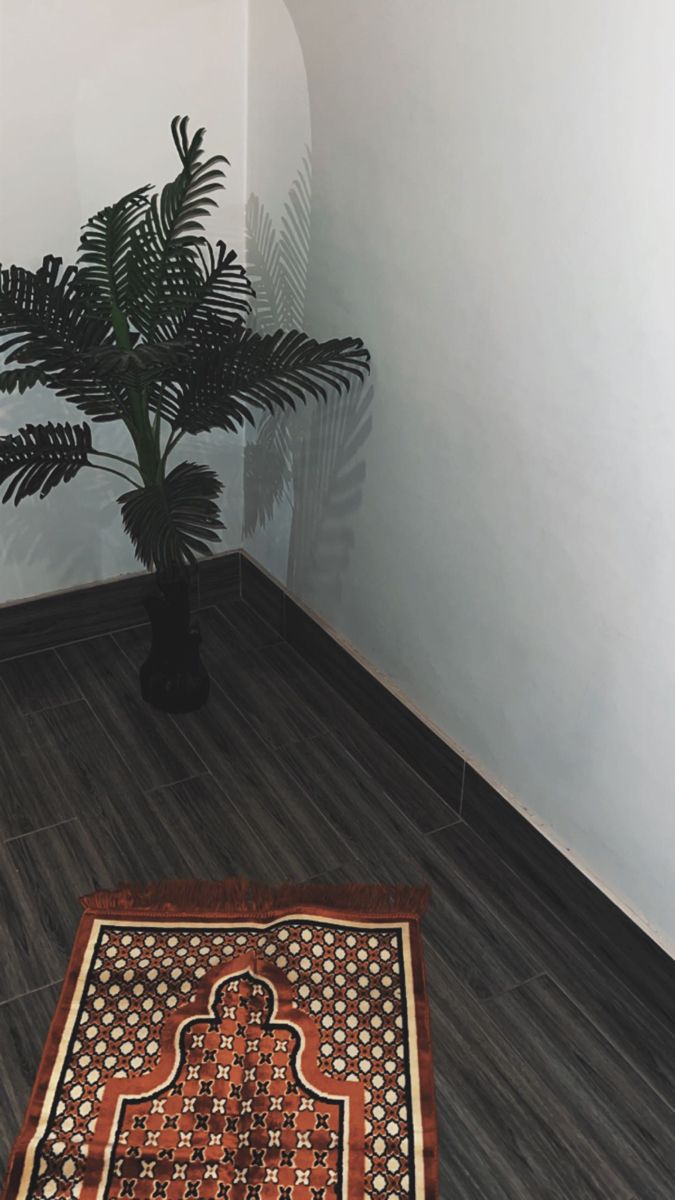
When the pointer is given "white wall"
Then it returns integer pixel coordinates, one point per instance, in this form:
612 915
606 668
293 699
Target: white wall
87 93
493 210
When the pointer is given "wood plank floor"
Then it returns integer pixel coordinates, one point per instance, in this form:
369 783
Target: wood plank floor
555 1077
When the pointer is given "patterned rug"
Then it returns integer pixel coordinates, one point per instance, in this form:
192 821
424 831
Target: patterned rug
234 1042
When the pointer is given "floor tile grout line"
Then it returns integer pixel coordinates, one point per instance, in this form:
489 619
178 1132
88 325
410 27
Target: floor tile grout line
277 636
303 790
91 637
333 734
607 1037
567 927
333 730
31 992
630 1063
38 749
220 784
353 853
273 750
18 837
46 708
496 1036
297 647
176 782
429 833
169 715
269 746
110 737
517 987
110 631
494 1032
602 1033
220 687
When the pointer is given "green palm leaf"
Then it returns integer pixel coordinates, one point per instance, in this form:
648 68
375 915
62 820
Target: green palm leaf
39 457
228 380
44 322
221 293
21 379
104 253
163 263
173 522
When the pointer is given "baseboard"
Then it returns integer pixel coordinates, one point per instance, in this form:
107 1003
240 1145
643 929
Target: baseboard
97 608
616 935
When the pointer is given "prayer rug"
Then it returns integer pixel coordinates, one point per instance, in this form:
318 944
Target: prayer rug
230 1041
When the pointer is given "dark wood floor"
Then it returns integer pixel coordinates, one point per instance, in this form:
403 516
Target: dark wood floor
555 1077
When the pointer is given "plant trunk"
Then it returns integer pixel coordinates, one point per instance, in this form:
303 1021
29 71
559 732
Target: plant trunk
173 677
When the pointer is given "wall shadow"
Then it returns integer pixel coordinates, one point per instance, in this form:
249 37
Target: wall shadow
304 472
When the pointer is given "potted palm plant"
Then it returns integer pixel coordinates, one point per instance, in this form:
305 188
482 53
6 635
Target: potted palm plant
149 328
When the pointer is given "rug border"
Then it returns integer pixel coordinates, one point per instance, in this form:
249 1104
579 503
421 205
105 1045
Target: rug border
158 901
47 1058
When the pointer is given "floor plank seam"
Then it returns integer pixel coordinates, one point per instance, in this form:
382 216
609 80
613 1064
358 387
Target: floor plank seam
31 992
461 791
36 712
450 825
220 784
18 837
335 729
517 987
581 941
176 782
334 734
276 640
634 1066
90 637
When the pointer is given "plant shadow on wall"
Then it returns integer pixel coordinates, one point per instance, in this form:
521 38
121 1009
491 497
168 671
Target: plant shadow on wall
305 463
150 331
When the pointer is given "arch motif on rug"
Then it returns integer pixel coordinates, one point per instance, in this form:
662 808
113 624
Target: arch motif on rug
237 1108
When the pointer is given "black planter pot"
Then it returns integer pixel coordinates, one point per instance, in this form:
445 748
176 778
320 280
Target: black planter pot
173 677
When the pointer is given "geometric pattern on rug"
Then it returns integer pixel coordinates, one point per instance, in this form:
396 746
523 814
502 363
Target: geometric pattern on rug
236 1107
233 1059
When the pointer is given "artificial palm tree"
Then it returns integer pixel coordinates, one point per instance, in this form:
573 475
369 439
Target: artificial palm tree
149 328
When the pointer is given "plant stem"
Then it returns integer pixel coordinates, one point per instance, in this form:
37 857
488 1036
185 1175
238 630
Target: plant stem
117 457
172 443
112 471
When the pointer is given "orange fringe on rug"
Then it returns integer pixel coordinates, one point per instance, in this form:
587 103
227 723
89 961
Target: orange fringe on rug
234 896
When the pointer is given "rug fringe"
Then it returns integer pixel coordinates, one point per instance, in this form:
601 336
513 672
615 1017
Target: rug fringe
240 896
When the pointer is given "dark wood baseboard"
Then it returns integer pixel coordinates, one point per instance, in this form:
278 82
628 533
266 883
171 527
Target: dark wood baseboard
570 894
99 608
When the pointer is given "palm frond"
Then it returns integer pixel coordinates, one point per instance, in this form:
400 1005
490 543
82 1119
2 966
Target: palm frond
141 365
103 255
172 522
225 382
222 292
39 457
44 323
21 379
162 262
